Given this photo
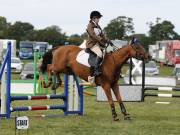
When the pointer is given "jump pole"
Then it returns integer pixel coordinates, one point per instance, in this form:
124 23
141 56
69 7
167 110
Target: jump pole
37 90
6 102
35 72
63 96
3 94
8 83
163 88
143 80
144 89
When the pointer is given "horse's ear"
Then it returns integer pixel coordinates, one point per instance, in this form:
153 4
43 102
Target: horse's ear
131 41
134 41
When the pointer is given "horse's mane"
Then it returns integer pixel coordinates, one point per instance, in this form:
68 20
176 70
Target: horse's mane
117 50
121 48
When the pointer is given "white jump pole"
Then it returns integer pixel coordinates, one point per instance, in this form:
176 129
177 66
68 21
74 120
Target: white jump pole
3 94
70 96
73 95
76 97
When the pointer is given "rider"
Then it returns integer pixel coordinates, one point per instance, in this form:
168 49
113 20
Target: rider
96 41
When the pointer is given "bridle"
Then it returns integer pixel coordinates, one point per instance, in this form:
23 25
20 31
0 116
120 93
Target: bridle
138 54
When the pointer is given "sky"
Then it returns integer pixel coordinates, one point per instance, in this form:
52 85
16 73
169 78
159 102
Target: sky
72 16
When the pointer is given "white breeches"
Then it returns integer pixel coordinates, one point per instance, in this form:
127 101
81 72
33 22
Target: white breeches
97 50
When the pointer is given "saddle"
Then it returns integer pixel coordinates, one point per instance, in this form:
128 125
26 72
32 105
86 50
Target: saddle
86 57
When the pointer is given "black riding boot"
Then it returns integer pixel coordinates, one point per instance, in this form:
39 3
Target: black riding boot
97 66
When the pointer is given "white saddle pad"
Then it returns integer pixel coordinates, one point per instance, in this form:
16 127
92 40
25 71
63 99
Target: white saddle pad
82 58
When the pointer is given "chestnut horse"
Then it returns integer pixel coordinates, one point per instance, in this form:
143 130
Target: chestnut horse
63 60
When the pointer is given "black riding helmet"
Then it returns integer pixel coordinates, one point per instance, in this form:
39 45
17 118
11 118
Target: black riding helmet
95 14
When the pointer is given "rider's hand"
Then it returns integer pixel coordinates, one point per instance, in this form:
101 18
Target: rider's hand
109 42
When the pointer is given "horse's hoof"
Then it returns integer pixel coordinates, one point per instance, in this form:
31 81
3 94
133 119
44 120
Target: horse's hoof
43 84
116 119
53 87
127 117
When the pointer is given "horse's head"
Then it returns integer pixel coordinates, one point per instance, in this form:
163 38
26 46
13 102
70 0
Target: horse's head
138 51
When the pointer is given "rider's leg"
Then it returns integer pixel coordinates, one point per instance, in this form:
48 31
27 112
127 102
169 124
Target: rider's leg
97 66
97 50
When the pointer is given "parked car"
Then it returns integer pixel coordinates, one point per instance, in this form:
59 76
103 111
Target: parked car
151 68
16 65
28 71
176 72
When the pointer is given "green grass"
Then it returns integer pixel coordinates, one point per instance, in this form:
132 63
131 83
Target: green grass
165 70
148 118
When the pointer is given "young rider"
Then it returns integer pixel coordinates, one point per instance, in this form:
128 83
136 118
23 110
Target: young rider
96 41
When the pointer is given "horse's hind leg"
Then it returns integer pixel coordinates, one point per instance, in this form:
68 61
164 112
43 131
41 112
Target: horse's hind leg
121 104
107 91
59 81
49 70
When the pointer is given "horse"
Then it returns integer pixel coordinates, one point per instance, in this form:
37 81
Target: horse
63 60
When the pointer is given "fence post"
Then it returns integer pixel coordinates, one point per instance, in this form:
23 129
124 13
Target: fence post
35 71
8 82
130 71
143 80
66 94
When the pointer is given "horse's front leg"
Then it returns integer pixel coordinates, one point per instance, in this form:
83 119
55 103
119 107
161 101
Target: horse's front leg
107 91
121 104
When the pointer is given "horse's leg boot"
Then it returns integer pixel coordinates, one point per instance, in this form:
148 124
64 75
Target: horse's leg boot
123 110
114 114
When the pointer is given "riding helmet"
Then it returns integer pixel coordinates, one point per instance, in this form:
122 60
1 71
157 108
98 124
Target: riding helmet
95 14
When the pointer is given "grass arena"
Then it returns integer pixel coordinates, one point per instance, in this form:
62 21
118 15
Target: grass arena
148 118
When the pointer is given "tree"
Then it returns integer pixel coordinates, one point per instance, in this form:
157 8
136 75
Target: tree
75 39
20 31
84 35
119 27
51 34
162 30
3 26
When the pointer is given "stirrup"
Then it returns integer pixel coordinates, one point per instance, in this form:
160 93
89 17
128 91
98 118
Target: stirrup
97 73
91 80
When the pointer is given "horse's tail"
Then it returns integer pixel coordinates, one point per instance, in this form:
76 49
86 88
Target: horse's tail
47 59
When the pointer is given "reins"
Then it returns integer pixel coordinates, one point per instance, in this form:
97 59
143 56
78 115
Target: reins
115 48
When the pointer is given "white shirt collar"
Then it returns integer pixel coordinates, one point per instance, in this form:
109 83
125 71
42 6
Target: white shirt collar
95 23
